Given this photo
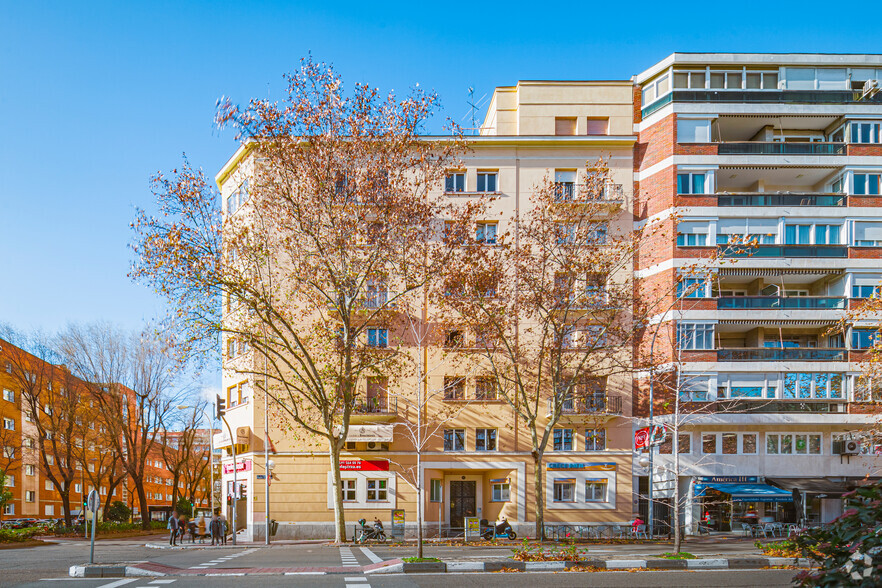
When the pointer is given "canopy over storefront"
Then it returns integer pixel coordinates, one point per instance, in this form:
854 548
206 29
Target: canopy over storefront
832 487
747 492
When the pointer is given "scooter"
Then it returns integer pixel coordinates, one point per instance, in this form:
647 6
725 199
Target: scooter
501 530
377 533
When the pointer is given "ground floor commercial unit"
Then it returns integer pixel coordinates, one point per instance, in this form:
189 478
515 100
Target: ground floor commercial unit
748 468
581 488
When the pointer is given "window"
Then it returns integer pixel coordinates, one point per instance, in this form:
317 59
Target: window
730 443
378 338
454 439
694 388
864 338
564 126
237 197
748 443
454 388
8 395
8 424
692 287
10 480
709 443
865 133
564 185
50 460
565 490
49 509
233 396
695 336
9 509
485 388
790 444
692 234
693 131
684 443
47 485
30 496
487 181
435 490
454 182
867 234
500 491
595 490
454 338
597 126
30 470
563 439
485 439
595 439
375 293
689 79
866 184
691 183
486 233
655 89
377 490
231 347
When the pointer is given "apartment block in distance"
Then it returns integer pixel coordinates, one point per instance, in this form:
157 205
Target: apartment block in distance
772 164
480 464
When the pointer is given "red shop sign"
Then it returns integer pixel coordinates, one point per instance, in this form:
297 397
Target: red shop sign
373 465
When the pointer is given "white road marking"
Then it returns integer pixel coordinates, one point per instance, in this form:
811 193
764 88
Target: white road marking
354 579
122 582
371 555
163 581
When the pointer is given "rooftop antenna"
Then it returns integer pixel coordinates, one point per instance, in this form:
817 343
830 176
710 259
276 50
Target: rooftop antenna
473 109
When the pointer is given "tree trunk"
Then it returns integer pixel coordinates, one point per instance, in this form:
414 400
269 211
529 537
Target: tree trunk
339 517
420 503
65 507
142 499
677 536
539 489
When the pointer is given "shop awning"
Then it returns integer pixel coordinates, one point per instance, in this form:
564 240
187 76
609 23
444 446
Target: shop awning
748 492
833 488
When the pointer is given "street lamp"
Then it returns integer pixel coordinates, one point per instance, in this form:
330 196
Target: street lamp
211 450
270 466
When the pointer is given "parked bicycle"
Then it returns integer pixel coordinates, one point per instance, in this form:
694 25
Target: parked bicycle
374 533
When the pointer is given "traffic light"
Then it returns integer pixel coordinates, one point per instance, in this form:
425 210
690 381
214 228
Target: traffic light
220 407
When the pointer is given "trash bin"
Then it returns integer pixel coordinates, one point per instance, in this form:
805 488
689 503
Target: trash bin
274 527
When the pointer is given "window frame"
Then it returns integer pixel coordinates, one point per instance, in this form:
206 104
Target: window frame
487 436
454 435
504 491
485 175
594 484
454 179
557 496
561 437
592 434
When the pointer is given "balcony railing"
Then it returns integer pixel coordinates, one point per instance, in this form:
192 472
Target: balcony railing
766 406
779 148
789 199
594 404
379 405
778 302
784 251
761 96
571 192
778 354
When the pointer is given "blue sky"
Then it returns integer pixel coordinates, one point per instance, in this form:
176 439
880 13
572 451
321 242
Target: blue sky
97 96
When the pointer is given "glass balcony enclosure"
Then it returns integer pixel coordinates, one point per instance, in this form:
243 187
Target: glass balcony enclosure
779 302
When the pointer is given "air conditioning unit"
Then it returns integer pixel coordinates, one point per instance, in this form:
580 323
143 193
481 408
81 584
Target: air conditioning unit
851 447
871 87
377 446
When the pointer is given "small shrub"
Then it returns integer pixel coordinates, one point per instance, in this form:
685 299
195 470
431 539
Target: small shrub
419 559
681 555
784 548
16 535
118 511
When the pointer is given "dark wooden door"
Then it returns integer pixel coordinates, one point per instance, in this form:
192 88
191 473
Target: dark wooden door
463 501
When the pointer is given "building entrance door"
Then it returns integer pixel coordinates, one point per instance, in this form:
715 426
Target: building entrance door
463 501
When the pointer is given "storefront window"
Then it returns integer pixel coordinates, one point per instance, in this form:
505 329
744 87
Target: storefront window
748 443
730 443
348 490
709 443
564 490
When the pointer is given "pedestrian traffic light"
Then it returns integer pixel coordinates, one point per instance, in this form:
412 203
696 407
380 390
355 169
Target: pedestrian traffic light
220 407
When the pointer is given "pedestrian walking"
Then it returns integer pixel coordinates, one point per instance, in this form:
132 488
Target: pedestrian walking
214 529
223 526
200 529
172 526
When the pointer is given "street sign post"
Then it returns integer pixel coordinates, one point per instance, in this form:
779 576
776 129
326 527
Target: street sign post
93 503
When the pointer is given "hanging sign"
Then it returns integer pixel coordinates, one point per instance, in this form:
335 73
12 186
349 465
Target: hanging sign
650 436
241 466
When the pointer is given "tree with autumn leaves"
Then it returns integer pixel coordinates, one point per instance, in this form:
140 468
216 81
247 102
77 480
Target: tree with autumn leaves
335 228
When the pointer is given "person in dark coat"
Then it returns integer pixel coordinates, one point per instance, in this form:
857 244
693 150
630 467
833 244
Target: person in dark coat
172 527
214 529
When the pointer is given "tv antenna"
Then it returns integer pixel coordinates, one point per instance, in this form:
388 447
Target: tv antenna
473 109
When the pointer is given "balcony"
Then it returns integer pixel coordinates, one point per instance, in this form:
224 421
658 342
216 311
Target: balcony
788 199
589 406
765 251
762 97
778 302
771 406
572 192
377 409
779 148
779 354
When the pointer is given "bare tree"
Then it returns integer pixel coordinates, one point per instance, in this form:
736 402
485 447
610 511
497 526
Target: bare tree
133 379
340 220
183 451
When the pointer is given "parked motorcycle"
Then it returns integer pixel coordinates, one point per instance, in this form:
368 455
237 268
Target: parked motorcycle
375 533
501 530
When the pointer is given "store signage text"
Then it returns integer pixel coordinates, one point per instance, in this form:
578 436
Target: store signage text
603 467
241 466
372 465
727 479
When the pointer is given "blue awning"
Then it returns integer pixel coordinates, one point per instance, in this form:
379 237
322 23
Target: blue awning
748 492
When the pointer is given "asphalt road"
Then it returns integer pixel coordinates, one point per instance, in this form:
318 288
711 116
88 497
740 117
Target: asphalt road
761 578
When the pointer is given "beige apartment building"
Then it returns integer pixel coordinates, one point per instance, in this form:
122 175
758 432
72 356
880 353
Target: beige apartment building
479 463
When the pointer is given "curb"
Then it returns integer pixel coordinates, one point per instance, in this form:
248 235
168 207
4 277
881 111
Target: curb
396 566
204 546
